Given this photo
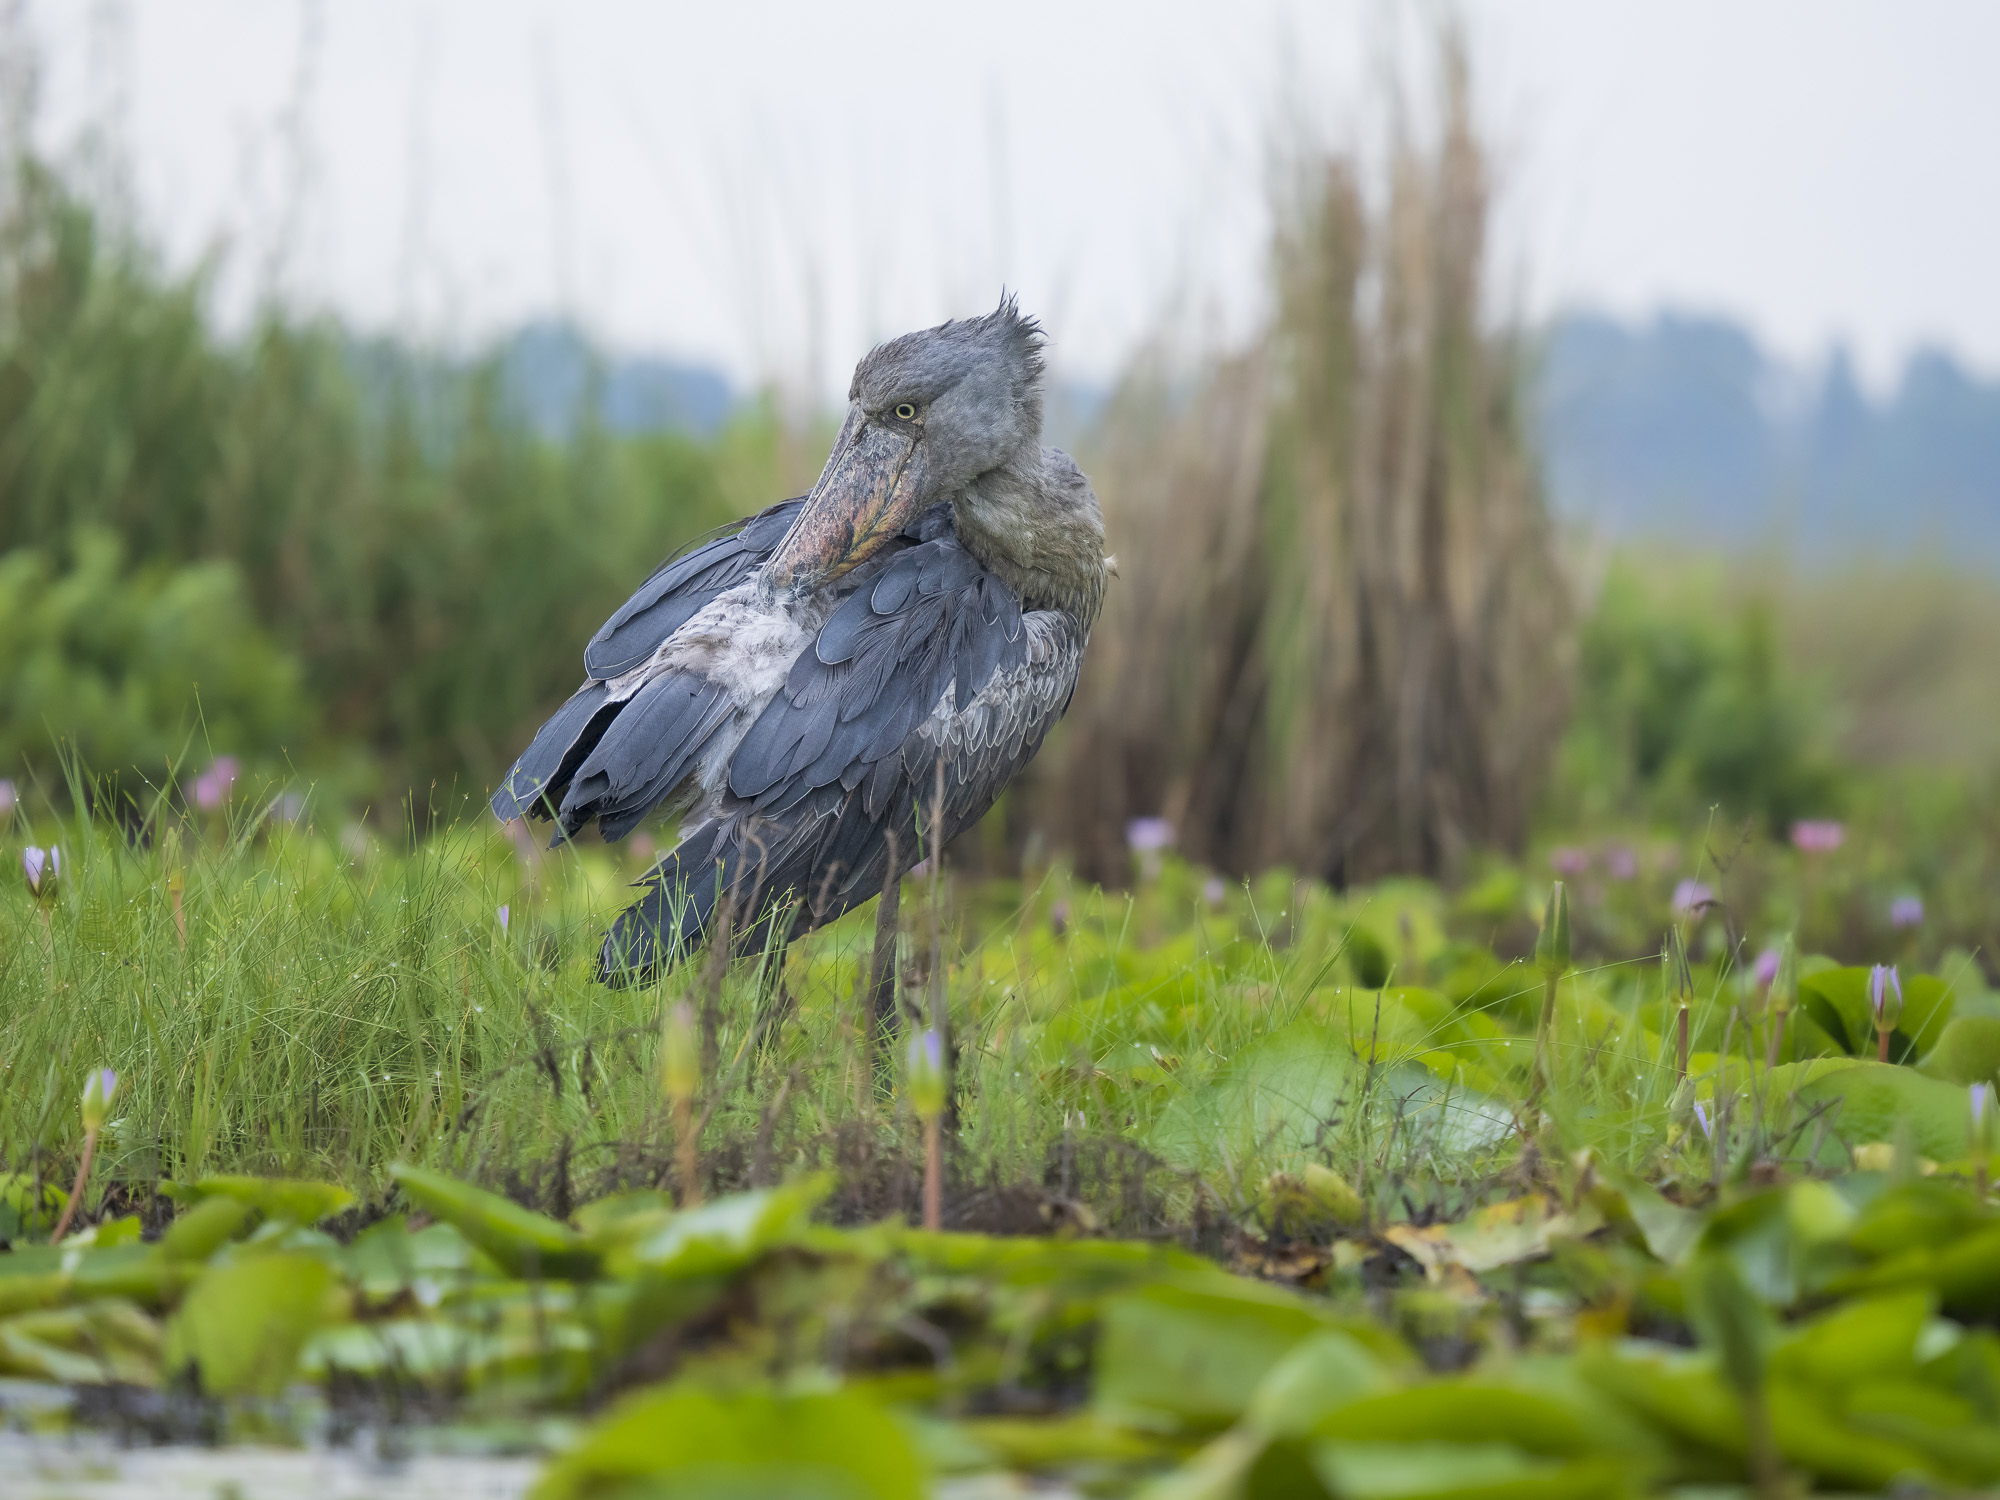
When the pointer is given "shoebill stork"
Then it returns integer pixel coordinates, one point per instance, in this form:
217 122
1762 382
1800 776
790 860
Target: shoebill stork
819 684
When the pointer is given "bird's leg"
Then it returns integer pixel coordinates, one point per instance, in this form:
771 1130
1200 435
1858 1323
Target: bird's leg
940 970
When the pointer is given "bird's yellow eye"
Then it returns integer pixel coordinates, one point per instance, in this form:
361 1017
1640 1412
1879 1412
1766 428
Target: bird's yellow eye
905 412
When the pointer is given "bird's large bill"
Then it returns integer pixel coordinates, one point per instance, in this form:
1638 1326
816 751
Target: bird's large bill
872 486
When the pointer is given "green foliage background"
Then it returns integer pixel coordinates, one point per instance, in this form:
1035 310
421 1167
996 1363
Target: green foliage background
377 551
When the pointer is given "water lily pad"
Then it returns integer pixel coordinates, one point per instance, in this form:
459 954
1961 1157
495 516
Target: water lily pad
294 1199
97 1343
1837 1001
1967 1051
1173 1354
1877 1101
683 1441
1448 1471
243 1324
206 1228
718 1236
525 1243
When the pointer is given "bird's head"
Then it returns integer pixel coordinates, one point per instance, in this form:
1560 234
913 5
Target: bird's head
927 415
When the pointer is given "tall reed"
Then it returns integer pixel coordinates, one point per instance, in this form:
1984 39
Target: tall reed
1341 635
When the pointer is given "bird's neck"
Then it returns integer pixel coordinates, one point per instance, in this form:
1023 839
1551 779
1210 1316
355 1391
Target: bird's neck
1022 528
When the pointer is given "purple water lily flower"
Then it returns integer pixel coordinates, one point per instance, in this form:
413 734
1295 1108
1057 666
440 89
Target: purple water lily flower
1817 835
1906 912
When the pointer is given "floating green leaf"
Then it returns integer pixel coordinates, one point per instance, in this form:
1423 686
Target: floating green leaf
718 1236
524 1242
243 1324
1465 1411
295 1200
97 1343
1175 1353
1837 1001
1967 1051
1459 1471
1876 1100
684 1441
206 1228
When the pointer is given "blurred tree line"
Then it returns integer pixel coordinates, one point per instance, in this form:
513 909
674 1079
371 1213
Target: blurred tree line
353 559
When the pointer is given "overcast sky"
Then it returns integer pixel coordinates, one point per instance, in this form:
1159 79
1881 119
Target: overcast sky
771 186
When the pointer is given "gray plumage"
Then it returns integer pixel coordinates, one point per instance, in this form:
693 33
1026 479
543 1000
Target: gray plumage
789 690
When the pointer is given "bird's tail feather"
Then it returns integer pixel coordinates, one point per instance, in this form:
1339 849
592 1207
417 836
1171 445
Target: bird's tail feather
710 877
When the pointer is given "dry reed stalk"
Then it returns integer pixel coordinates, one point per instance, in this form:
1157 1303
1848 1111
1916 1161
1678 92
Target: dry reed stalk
1342 638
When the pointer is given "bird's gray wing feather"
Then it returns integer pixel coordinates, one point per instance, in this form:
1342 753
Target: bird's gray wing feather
933 665
645 753
680 586
879 667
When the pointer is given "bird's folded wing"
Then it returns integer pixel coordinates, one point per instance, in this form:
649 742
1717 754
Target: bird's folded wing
679 587
933 662
682 585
